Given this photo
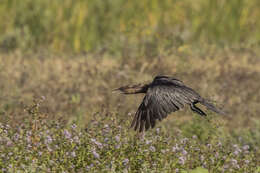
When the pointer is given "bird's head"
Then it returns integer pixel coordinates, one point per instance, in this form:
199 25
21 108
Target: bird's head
133 89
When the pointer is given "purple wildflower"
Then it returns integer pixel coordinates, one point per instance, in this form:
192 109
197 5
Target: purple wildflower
202 158
73 154
49 149
76 139
245 147
247 161
125 162
100 145
182 160
216 154
28 139
48 140
67 134
95 154
204 165
117 138
219 144
9 143
235 146
237 150
16 137
73 126
225 166
184 152
152 148
118 146
89 167
157 131
212 160
184 140
106 140
235 163
147 142
175 148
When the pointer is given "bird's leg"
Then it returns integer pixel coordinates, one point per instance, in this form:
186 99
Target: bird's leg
196 109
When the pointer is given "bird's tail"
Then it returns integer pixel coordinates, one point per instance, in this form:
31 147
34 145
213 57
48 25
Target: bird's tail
211 107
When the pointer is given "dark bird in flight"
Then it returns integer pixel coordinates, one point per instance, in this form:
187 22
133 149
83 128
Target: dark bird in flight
163 96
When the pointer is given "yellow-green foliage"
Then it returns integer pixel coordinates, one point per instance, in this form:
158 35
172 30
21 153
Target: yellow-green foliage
83 25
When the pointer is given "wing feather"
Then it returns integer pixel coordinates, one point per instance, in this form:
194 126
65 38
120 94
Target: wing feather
148 122
159 101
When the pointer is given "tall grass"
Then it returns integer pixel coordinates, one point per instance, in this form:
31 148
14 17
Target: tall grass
83 25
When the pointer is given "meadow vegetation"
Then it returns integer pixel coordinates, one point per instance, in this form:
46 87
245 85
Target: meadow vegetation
60 61
58 113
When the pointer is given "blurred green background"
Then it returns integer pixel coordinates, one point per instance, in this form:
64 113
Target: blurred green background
118 42
87 25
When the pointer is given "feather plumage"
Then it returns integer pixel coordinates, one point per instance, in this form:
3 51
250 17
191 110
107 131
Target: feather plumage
163 96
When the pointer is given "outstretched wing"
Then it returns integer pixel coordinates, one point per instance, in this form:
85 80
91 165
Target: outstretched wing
159 101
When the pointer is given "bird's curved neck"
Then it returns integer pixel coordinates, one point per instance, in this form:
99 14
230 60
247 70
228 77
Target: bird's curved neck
134 89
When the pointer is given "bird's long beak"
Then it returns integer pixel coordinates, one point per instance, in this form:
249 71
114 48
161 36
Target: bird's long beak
116 90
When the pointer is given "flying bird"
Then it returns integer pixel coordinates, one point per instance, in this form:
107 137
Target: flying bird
163 96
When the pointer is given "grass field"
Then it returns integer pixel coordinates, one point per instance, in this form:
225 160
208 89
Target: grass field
60 61
76 124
